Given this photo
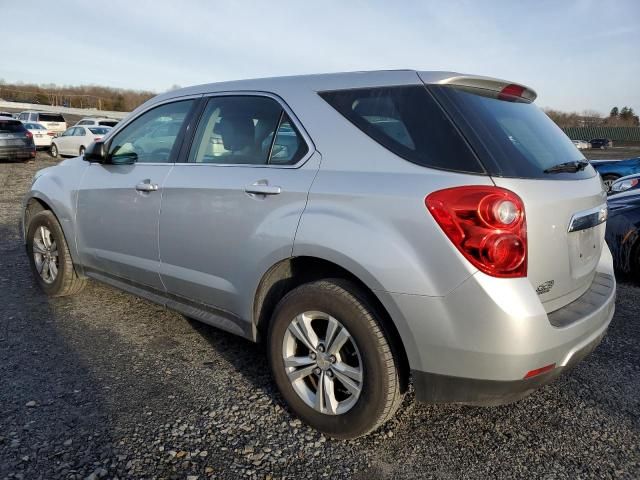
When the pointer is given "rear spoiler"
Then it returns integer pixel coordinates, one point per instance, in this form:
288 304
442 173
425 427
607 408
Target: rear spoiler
491 87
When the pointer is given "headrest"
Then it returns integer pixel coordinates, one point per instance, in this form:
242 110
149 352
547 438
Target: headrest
237 132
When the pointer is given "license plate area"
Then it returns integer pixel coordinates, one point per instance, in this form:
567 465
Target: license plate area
585 247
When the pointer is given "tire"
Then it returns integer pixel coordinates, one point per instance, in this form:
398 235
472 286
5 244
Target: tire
608 181
44 226
82 151
53 151
368 351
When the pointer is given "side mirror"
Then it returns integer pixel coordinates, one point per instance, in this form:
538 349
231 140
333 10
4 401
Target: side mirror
96 152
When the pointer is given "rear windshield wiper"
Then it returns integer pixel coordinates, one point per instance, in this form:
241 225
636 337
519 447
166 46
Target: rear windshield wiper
568 167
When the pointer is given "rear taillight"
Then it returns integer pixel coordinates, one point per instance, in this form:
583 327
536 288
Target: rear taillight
97 139
486 224
28 134
51 134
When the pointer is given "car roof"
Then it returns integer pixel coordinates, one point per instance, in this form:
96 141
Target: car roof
336 81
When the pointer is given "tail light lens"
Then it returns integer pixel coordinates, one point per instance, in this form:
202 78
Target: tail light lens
486 224
28 134
97 139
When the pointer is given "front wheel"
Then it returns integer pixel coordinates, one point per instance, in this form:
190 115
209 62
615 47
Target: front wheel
81 151
608 181
332 360
49 256
54 150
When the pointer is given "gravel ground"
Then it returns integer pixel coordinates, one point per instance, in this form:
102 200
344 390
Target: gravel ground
106 385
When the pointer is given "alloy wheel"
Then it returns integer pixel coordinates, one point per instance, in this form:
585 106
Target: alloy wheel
45 254
323 363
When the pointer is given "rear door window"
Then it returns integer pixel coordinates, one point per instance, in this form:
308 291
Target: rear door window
251 130
407 121
512 138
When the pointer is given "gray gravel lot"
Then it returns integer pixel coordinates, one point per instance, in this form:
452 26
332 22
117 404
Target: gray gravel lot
106 385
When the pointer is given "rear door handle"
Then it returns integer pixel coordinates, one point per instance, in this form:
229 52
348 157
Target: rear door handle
262 189
147 187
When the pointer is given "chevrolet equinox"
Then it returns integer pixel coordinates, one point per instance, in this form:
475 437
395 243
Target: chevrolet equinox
370 227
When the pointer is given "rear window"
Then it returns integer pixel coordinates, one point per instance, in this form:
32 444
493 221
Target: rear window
50 117
408 122
108 123
11 126
511 138
99 130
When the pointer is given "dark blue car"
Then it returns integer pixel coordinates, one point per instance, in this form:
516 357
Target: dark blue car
623 231
612 170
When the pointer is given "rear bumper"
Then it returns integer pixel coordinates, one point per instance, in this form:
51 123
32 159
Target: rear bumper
17 153
435 388
477 344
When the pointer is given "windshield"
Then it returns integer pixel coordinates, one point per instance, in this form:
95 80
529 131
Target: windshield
512 139
108 123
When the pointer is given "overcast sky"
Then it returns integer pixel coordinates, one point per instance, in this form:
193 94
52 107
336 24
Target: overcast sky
577 54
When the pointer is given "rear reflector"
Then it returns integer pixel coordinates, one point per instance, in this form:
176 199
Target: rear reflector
539 371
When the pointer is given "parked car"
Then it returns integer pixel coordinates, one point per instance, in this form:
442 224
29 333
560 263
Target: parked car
601 143
436 236
630 182
54 122
97 122
612 170
75 140
623 231
7 114
41 136
16 142
581 144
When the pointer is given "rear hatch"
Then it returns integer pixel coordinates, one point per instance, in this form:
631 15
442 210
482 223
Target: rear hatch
525 152
54 122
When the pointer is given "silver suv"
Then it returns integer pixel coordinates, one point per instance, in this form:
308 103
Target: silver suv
369 227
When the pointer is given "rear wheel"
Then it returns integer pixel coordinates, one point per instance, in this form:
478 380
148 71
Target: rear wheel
49 256
332 360
53 150
81 151
609 180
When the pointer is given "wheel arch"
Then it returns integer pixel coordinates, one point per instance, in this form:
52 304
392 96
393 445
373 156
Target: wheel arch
292 272
38 202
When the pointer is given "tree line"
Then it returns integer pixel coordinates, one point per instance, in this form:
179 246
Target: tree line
91 96
624 117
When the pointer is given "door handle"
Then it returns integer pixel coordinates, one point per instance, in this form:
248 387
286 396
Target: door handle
262 189
147 187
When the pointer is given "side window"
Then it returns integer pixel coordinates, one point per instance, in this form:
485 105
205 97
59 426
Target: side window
151 136
33 117
240 130
69 132
22 117
83 122
79 132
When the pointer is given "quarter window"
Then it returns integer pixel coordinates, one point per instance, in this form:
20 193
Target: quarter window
408 122
152 136
251 130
